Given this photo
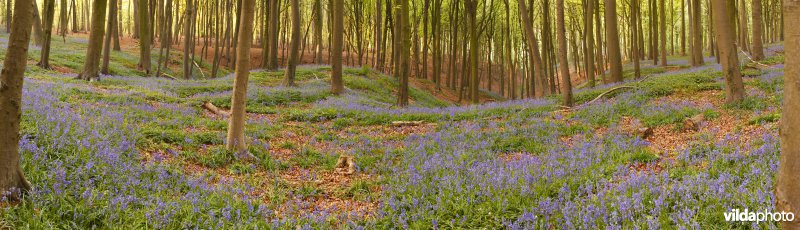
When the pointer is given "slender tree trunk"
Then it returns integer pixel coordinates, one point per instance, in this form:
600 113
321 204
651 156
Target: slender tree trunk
734 90
12 178
318 31
788 182
291 66
274 29
187 39
758 34
636 53
663 39
38 33
612 40
337 86
566 84
403 38
236 140
112 11
92 64
49 14
697 34
589 40
144 38
540 85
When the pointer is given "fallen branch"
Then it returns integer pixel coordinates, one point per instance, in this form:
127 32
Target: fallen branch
213 109
406 123
168 76
200 69
754 61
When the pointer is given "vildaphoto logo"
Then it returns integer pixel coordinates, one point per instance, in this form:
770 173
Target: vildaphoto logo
745 215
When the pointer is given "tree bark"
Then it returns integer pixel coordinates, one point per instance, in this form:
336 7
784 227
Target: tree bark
697 34
37 25
187 39
566 84
144 37
734 90
403 38
337 86
274 30
291 65
612 41
112 12
235 139
663 34
758 34
11 80
49 14
92 64
540 87
788 180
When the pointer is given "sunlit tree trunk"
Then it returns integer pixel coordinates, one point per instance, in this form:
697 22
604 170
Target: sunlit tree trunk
337 86
734 89
403 38
112 12
612 40
540 87
11 79
236 140
787 191
758 44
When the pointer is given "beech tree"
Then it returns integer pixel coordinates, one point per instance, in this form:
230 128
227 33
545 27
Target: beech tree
49 13
566 87
612 41
337 86
11 79
788 180
403 41
92 64
235 139
734 88
144 37
294 52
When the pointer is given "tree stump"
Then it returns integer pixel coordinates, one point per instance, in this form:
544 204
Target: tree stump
693 123
345 165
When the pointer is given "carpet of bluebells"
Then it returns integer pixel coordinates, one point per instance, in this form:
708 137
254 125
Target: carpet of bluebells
113 153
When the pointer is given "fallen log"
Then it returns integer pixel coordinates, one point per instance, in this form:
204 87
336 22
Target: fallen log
693 123
406 123
213 109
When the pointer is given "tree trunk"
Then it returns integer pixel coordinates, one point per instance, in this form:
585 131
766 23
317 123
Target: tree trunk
12 178
187 40
540 86
274 22
612 41
144 37
318 31
112 11
92 64
37 26
291 65
566 84
472 24
697 34
589 39
236 140
49 14
734 89
788 181
337 86
403 38
663 38
758 45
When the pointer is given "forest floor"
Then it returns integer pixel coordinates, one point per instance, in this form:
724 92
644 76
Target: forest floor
137 152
